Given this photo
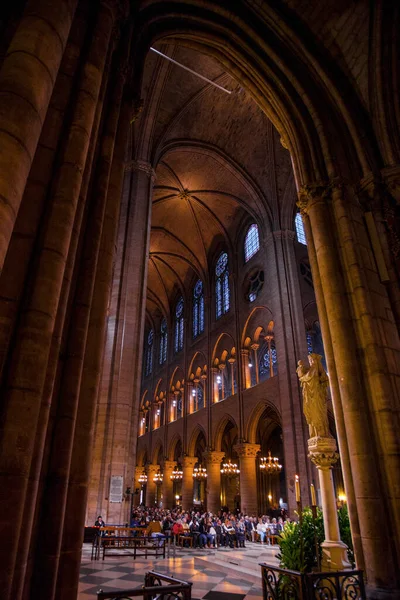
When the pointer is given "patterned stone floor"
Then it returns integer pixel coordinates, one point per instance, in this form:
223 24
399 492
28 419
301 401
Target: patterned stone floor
122 572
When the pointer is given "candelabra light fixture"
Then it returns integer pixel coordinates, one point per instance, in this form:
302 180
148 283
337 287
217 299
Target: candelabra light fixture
270 464
142 478
158 478
230 469
200 472
176 474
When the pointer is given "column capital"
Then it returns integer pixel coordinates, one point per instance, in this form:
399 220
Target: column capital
311 193
284 234
169 465
141 165
189 461
322 451
247 450
213 457
152 468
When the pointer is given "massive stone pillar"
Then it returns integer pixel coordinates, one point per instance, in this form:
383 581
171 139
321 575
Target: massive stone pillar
248 479
55 498
187 481
168 484
213 462
25 382
151 487
291 344
352 400
27 78
118 408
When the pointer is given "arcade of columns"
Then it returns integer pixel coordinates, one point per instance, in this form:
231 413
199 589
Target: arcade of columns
66 105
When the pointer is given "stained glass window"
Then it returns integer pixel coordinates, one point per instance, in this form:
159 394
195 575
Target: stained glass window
198 308
149 353
268 363
163 341
251 242
301 236
178 341
222 291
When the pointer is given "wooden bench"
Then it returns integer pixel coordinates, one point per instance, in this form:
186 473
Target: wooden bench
140 546
273 537
113 533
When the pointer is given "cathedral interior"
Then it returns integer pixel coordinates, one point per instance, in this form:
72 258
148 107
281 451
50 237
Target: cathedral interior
194 196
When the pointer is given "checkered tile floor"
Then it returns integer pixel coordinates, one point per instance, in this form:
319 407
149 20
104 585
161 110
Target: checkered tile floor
122 572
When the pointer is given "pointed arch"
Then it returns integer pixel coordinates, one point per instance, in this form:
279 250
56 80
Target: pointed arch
254 418
176 438
219 431
198 430
157 449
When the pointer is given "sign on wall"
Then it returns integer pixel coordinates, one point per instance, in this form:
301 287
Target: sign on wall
116 488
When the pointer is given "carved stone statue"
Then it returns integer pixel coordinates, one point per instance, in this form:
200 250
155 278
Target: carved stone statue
314 384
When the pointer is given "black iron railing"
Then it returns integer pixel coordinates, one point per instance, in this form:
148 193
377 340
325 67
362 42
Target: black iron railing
156 587
283 584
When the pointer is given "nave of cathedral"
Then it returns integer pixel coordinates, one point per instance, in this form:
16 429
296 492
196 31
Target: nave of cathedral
195 196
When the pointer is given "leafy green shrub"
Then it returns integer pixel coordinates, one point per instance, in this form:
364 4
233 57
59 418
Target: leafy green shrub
298 552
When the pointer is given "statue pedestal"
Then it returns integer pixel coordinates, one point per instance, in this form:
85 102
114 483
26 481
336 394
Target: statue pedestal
323 453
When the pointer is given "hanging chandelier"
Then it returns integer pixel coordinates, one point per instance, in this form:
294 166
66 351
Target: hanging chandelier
270 464
158 478
230 469
176 474
142 478
200 473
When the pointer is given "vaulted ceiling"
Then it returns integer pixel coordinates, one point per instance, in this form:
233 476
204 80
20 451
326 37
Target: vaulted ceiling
219 163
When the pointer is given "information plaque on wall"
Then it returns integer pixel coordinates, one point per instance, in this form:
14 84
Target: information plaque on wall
116 488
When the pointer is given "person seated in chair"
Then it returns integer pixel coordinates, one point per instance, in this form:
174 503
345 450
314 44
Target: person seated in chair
241 533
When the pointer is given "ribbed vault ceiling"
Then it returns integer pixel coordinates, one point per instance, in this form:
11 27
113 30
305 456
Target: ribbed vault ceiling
219 162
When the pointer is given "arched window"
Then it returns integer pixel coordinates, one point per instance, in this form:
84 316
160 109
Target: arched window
198 308
178 341
301 235
149 353
251 242
163 341
267 357
222 292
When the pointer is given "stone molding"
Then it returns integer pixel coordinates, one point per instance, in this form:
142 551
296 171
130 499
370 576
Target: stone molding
246 450
189 462
284 234
169 465
140 165
213 457
152 469
322 451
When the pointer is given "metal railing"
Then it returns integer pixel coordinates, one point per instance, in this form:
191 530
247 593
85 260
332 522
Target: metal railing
283 584
156 587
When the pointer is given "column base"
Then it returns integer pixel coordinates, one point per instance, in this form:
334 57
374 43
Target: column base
334 556
374 593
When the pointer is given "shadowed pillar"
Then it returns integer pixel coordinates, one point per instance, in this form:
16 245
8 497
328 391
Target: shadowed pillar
187 481
24 389
151 487
168 484
27 78
213 462
248 479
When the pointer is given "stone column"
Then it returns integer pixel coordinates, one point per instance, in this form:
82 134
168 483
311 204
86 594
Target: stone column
213 463
27 78
248 479
187 481
246 369
33 341
168 484
322 452
117 433
352 400
151 486
63 434
214 375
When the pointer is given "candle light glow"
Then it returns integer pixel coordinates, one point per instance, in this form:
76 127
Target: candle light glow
313 497
297 488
